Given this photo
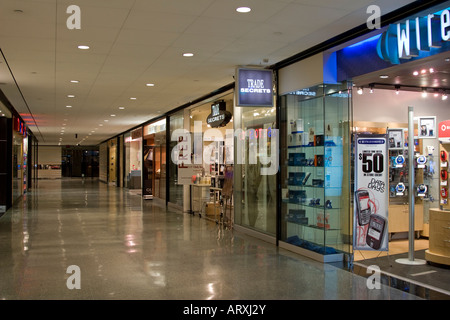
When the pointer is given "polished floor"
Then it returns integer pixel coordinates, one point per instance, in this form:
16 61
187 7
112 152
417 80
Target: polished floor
127 248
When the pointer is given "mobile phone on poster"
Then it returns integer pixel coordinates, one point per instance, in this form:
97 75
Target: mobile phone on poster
363 210
375 232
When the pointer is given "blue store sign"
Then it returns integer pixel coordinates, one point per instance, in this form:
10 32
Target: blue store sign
416 38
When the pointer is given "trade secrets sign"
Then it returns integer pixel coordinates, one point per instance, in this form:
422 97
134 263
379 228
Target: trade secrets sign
254 87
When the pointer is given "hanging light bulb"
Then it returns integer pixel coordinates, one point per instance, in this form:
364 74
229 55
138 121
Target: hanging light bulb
360 90
397 89
371 89
444 96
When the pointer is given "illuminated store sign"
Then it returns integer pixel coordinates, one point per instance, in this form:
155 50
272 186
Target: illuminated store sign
219 116
415 37
20 127
254 87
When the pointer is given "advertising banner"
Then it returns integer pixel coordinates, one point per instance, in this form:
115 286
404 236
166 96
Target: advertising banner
444 131
370 226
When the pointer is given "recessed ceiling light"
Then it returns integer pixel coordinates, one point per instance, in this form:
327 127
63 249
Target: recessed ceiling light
416 73
383 76
68 106
83 47
243 9
188 54
132 98
74 81
106 120
113 115
121 108
70 96
100 125
150 84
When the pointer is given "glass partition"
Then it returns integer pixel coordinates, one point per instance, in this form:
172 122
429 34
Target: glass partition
133 160
175 189
315 169
255 183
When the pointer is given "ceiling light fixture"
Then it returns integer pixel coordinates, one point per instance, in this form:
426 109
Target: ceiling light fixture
70 96
243 9
132 98
416 73
397 89
74 81
150 84
121 108
384 76
424 93
83 47
188 54
68 106
444 96
360 90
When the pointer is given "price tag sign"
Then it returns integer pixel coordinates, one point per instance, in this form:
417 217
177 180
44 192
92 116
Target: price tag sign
371 193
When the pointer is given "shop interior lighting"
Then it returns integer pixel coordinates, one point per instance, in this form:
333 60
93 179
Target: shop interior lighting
150 84
416 73
188 54
444 96
83 47
74 81
424 93
397 89
371 89
360 90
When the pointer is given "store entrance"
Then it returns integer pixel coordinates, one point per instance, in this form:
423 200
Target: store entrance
380 106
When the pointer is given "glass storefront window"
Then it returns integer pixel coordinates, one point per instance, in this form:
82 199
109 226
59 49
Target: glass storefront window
17 172
255 193
154 166
315 175
133 160
175 189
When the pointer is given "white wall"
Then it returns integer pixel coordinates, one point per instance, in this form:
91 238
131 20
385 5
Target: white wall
49 155
387 106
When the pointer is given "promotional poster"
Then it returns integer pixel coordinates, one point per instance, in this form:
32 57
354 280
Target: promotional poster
371 193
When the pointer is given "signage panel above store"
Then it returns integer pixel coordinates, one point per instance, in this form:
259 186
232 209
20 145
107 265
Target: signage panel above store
416 36
408 40
254 87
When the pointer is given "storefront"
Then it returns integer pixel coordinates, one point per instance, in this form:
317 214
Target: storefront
345 117
133 160
205 158
20 159
154 160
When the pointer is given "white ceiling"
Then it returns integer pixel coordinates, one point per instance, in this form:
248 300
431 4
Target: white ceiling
134 42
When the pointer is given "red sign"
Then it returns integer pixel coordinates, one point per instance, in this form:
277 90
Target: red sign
444 129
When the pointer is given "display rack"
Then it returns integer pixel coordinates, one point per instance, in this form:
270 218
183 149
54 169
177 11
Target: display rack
313 175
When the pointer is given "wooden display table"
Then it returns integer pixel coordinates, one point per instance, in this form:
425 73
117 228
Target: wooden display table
439 240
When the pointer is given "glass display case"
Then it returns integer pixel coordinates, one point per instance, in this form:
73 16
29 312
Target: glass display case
315 207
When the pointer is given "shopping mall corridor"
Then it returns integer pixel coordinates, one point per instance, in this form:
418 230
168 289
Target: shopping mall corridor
129 248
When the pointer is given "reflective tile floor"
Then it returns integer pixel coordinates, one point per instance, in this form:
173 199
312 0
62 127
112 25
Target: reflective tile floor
128 248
